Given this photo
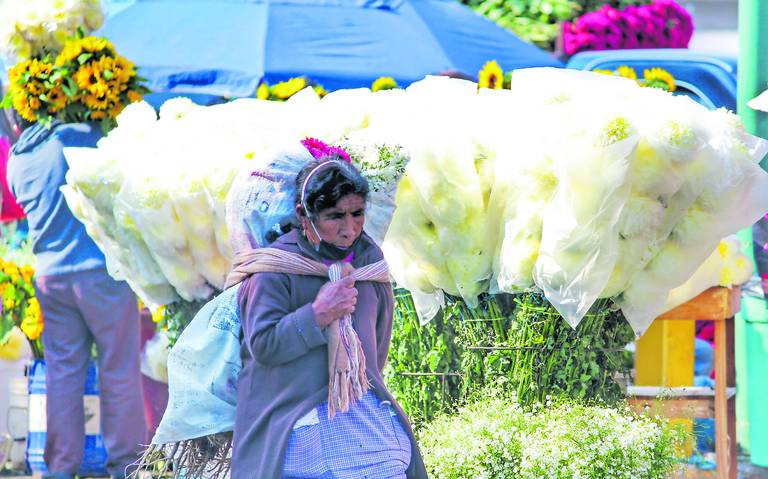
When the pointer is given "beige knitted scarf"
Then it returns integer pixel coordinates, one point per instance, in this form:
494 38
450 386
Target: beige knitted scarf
348 381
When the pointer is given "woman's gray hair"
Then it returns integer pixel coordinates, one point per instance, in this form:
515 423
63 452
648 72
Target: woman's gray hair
323 182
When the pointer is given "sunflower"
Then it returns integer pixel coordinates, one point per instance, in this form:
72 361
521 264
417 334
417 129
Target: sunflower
96 102
321 92
39 68
57 100
603 71
98 115
262 93
96 45
27 272
34 103
21 105
16 73
34 87
116 109
87 76
120 69
627 72
32 324
69 53
384 83
285 90
659 78
491 76
134 96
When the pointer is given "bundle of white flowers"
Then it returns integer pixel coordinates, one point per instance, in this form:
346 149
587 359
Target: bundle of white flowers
153 194
31 28
496 438
582 185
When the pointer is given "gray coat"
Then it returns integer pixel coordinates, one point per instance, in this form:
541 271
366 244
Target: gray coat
285 358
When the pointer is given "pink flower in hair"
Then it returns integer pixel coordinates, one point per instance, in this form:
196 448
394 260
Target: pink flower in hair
319 149
315 147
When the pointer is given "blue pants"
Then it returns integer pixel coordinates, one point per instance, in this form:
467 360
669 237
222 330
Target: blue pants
80 309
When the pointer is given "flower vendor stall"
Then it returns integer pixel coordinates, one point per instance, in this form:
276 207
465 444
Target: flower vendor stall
544 225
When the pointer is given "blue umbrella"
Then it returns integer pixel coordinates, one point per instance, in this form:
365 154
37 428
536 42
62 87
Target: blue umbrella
228 47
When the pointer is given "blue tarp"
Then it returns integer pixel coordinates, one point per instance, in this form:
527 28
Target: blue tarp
227 47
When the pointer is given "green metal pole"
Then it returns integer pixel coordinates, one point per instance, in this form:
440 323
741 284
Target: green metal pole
753 63
752 343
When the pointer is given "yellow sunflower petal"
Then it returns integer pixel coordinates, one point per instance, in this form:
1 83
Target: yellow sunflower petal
491 76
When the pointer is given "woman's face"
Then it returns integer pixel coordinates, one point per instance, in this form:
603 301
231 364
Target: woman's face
340 225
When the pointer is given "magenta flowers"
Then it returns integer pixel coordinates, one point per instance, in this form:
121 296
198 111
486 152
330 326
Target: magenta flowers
319 149
662 24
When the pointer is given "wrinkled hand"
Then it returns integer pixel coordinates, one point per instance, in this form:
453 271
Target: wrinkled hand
334 301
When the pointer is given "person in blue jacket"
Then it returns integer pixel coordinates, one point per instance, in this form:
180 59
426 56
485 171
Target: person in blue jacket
81 305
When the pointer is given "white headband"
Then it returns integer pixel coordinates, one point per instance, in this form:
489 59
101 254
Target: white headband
306 182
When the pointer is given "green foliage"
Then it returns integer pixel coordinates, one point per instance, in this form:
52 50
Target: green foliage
177 316
418 358
535 353
498 438
517 343
538 21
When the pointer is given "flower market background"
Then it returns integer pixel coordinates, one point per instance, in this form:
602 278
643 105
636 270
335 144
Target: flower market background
523 280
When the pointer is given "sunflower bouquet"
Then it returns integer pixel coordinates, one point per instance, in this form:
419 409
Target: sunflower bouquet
86 81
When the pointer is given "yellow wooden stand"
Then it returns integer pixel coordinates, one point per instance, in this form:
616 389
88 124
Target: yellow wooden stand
664 364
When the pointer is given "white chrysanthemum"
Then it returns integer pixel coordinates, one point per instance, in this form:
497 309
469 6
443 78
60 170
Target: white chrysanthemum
35 27
176 108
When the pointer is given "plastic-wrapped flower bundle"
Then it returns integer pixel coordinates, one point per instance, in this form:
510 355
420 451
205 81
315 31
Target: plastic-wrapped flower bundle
582 185
439 240
154 193
632 223
723 190
31 28
157 201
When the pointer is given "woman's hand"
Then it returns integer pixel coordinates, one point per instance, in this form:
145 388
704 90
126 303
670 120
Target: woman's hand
334 301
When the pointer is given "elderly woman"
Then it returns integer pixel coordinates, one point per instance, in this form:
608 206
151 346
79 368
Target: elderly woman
283 426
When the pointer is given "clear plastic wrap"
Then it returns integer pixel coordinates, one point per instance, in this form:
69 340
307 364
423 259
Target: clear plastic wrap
440 224
579 239
261 200
93 183
147 202
727 266
525 183
192 203
126 260
734 196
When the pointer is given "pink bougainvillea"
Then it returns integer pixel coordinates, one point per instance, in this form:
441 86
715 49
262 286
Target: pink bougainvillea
662 24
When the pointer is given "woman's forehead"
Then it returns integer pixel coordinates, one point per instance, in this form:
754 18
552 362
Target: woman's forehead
350 202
